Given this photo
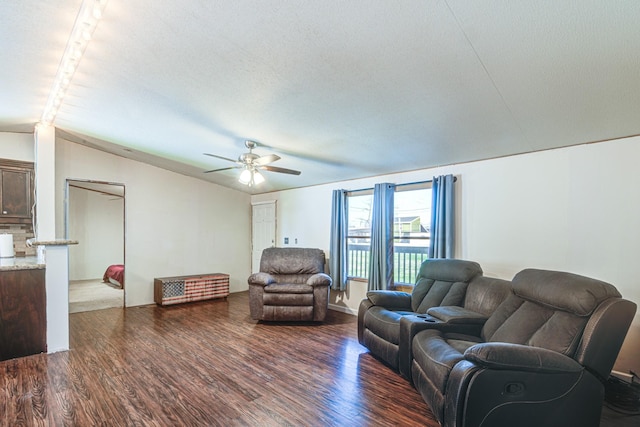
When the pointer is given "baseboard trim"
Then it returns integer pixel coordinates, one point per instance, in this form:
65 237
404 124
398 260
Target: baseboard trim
343 309
628 378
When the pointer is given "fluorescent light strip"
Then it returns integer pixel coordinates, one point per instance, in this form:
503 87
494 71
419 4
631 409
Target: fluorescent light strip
86 22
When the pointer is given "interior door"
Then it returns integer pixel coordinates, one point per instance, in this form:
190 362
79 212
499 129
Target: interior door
263 230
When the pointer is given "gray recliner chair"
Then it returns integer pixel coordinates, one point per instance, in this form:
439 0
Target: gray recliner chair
291 286
439 282
540 359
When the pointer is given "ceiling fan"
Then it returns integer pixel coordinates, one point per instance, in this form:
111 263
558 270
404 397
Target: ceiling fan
251 164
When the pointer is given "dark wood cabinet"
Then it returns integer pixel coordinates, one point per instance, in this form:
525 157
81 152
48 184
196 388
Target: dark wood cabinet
23 313
16 191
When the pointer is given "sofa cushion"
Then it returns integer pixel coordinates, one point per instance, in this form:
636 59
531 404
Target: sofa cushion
500 315
294 261
453 270
440 293
563 291
525 322
442 282
435 356
485 294
288 288
291 278
288 299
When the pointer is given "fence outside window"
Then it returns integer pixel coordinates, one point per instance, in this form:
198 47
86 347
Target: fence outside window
406 262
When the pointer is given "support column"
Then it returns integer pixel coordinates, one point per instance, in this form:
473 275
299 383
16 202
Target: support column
56 252
45 161
57 286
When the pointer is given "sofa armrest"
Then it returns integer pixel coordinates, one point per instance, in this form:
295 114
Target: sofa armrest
454 314
393 300
263 279
410 325
319 279
498 355
365 305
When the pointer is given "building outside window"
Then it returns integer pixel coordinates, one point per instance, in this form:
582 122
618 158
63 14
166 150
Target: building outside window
412 220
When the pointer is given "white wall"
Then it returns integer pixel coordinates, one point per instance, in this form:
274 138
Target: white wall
17 146
175 224
575 209
97 221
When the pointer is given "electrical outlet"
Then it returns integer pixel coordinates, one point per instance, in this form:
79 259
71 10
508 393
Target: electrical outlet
286 240
296 241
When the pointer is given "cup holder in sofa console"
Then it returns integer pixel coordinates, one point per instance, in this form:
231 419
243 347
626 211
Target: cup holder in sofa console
426 318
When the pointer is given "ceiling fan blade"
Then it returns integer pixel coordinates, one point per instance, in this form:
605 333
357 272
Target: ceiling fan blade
280 170
220 157
223 169
263 160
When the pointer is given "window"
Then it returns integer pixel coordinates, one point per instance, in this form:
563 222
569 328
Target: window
412 220
359 233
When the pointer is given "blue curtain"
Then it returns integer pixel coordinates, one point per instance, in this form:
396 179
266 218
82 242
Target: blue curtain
338 244
442 217
381 253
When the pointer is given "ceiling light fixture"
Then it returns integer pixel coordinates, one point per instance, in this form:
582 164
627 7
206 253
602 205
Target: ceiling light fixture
251 164
257 178
86 22
245 177
250 177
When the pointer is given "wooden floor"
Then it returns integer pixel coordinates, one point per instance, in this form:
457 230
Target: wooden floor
206 364
209 364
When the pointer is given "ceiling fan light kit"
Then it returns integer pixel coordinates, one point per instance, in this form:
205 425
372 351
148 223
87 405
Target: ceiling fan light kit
245 177
251 177
251 163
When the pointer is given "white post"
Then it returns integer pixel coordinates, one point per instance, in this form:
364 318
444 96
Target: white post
45 164
56 255
57 285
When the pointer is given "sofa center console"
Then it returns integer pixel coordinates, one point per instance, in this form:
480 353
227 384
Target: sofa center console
425 318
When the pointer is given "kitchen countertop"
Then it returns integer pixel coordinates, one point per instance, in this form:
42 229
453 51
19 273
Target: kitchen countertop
56 242
20 263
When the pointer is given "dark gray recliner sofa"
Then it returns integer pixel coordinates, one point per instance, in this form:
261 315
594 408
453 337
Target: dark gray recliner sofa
540 359
439 282
484 294
291 286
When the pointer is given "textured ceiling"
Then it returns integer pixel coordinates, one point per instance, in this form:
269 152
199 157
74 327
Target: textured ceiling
338 89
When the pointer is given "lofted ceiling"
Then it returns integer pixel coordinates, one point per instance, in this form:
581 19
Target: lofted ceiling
339 89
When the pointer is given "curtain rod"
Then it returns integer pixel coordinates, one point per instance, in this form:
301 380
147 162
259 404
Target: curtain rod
455 179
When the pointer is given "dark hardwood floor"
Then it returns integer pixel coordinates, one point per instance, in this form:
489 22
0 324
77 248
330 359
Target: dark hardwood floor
207 364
